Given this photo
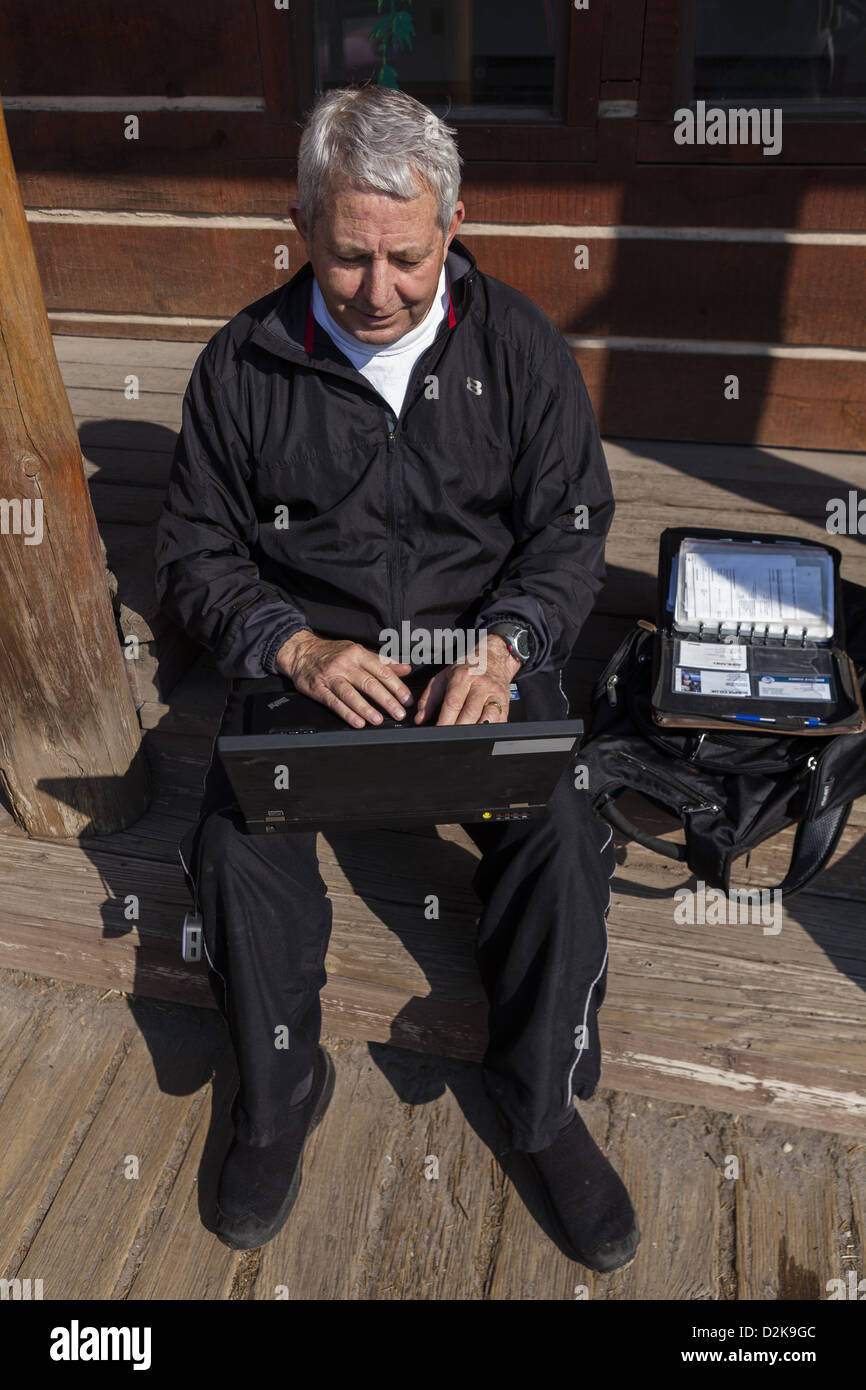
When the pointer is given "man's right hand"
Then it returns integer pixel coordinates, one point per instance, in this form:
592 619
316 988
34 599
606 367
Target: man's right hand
345 677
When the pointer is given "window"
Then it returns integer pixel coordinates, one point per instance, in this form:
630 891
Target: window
801 54
462 58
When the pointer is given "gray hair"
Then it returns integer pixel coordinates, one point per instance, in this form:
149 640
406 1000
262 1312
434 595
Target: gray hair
379 137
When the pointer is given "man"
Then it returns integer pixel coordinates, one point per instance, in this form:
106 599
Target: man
429 437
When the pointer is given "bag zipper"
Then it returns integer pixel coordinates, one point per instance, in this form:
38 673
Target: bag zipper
820 786
699 806
610 676
658 741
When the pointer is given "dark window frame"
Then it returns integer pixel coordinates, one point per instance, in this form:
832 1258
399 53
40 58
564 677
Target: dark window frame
810 136
485 138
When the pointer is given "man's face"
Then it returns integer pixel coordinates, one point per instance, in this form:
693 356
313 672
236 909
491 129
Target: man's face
377 259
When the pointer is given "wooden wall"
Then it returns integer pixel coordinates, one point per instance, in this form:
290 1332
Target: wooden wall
704 262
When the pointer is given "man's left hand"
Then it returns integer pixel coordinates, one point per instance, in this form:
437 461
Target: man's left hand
461 692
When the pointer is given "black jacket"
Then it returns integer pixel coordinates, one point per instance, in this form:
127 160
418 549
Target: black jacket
459 513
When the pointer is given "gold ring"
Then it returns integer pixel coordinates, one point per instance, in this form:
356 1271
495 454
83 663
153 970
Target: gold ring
493 702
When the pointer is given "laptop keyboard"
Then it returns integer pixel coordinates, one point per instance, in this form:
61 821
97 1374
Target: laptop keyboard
352 728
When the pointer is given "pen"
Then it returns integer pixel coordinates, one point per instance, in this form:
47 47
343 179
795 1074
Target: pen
806 722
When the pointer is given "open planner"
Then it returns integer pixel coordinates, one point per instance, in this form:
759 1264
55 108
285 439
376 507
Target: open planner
750 634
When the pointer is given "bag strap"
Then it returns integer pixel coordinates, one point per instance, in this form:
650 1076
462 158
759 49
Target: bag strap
616 818
814 845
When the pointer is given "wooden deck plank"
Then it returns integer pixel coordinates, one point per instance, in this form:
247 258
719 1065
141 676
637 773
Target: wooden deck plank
805 500
733 1080
182 1258
675 1190
376 909
85 1238
437 1236
323 1253
368 1225
731 463
21 1021
70 1059
154 378
643 522
105 403
786 1221
102 352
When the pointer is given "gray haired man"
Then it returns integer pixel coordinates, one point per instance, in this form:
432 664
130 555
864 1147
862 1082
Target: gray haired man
431 436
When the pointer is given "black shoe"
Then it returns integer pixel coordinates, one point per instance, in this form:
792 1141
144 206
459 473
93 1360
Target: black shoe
259 1186
587 1200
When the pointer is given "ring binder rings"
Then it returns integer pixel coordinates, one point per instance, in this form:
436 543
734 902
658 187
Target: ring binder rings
752 624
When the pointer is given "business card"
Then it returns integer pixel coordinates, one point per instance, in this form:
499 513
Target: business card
688 681
793 688
714 656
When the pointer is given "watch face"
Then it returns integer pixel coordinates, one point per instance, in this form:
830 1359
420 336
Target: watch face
515 637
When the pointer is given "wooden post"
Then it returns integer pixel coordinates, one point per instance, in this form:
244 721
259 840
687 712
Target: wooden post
71 759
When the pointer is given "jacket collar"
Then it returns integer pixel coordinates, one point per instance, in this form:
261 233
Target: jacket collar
283 327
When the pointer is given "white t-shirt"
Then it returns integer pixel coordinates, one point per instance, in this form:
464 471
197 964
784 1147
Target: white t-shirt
387 368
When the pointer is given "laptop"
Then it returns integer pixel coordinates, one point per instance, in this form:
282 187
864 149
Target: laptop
299 766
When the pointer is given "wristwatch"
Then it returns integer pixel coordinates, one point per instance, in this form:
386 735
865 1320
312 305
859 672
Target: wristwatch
516 638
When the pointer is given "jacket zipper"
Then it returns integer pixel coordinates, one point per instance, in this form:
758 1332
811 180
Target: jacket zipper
697 806
393 426
390 529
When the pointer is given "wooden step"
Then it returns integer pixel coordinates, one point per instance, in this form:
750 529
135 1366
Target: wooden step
768 1024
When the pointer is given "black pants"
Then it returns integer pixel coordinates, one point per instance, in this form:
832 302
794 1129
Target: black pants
544 887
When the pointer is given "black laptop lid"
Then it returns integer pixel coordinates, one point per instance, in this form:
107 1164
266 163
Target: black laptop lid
300 766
